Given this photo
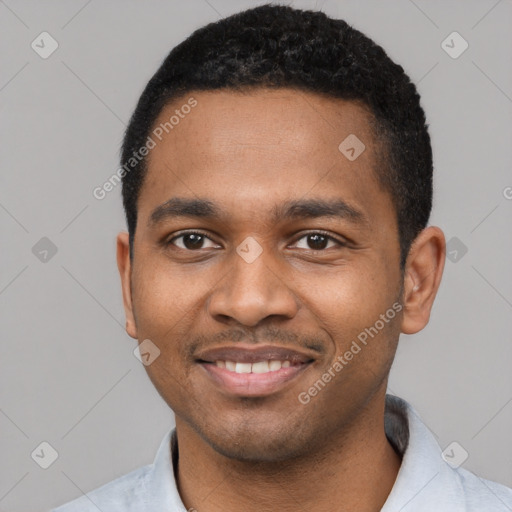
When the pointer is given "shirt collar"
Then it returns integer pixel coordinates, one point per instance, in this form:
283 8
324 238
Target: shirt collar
423 477
161 486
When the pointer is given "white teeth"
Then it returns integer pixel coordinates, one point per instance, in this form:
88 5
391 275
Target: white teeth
243 368
260 367
272 365
231 366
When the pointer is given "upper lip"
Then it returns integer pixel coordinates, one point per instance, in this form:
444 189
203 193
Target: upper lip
247 354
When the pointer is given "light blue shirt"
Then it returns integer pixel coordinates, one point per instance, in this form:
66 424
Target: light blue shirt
425 482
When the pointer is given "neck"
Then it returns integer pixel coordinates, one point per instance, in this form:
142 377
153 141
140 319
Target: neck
354 470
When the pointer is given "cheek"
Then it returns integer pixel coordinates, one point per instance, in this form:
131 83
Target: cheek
348 299
165 305
163 294
348 306
169 304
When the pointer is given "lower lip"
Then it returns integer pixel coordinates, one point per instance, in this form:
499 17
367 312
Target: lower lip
253 384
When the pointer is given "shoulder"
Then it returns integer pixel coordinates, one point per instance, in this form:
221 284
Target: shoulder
122 494
426 480
481 494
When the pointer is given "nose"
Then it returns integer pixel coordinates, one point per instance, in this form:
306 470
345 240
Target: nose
251 292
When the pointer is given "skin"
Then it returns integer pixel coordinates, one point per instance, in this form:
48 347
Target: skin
248 152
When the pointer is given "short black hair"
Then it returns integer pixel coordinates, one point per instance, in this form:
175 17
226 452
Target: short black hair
276 46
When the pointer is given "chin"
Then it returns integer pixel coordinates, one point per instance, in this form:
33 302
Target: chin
257 452
247 443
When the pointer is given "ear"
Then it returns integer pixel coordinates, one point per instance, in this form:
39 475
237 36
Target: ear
422 277
125 271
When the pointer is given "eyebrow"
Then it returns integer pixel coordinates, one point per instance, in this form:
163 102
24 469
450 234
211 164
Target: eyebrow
294 209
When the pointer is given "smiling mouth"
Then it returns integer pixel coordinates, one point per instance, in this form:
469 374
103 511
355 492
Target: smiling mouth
253 372
265 366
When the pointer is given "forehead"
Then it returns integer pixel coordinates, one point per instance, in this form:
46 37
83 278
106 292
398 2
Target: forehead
258 147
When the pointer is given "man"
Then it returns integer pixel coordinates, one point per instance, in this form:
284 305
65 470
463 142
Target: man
277 183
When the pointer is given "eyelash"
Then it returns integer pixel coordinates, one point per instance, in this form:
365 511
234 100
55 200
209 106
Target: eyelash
200 233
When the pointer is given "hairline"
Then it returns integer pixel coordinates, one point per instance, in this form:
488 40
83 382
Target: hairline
378 131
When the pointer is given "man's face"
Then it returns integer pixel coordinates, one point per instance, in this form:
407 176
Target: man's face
265 280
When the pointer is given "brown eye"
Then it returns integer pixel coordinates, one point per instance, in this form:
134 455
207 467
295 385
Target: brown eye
318 241
191 241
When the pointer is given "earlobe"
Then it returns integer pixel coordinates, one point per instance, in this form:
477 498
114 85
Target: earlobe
124 266
423 272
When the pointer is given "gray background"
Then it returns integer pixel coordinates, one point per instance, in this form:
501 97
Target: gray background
68 375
